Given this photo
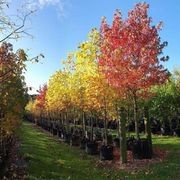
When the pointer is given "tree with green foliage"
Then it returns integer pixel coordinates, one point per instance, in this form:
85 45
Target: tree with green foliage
166 101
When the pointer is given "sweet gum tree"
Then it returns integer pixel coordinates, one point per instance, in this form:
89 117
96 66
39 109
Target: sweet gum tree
130 54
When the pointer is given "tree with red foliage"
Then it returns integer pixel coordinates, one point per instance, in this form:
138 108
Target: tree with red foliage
41 97
130 54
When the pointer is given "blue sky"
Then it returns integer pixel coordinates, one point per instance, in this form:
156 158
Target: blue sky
60 25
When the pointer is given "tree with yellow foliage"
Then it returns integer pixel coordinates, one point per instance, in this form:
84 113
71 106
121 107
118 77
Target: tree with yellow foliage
58 99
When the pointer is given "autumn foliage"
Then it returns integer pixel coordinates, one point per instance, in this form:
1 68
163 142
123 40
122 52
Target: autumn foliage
41 97
122 61
130 51
112 69
130 54
12 88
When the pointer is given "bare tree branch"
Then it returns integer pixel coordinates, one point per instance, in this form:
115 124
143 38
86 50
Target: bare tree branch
17 29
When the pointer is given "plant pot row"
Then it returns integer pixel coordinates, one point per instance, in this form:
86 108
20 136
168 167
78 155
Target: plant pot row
141 148
157 127
74 137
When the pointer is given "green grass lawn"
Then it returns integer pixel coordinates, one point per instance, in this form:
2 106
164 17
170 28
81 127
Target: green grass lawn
50 159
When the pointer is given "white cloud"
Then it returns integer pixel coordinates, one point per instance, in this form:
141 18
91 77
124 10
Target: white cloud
59 5
43 3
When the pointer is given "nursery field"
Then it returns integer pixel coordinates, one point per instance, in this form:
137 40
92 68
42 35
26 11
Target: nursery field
107 109
49 158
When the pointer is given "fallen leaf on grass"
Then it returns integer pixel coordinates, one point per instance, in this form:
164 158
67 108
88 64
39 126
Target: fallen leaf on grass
60 161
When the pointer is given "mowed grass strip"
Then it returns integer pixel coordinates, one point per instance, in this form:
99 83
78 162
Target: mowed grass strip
49 158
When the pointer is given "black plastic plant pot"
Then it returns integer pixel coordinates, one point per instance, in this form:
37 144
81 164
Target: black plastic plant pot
130 142
116 142
136 149
145 149
98 136
1 162
67 138
106 153
91 148
2 165
75 140
177 131
141 149
165 130
63 134
60 133
154 130
83 143
55 132
51 130
109 139
113 125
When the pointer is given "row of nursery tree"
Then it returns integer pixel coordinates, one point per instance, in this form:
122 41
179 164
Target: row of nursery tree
13 91
116 74
13 96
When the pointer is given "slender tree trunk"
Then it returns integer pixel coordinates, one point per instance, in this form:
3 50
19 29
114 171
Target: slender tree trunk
49 118
105 126
62 118
122 132
74 119
128 120
67 121
148 128
92 127
136 116
83 123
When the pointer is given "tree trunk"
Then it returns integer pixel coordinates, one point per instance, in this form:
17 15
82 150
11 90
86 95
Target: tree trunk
67 121
148 128
60 118
91 128
105 126
136 116
128 120
83 123
122 128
